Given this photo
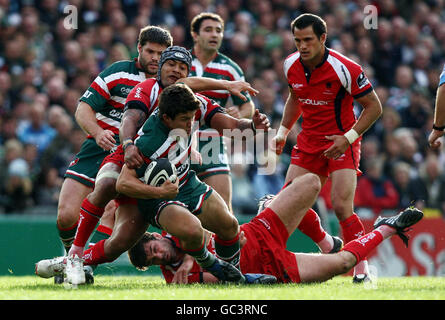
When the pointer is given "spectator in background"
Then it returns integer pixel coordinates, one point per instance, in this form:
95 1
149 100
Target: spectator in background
411 189
16 185
244 192
269 177
36 130
432 177
400 94
374 190
48 187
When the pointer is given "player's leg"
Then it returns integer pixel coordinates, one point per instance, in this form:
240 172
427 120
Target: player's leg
93 206
310 224
344 184
321 267
71 196
129 226
216 217
221 183
192 238
292 203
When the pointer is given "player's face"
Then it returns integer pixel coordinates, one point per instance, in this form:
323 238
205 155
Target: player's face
311 48
159 252
210 35
149 56
183 121
172 71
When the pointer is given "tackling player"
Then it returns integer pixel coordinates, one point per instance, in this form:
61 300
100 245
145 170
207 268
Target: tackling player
174 66
194 204
322 86
99 114
265 237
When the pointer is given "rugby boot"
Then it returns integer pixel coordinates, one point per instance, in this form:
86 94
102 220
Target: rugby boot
226 272
50 267
401 222
259 278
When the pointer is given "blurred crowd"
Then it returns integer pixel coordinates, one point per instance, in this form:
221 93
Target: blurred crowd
46 66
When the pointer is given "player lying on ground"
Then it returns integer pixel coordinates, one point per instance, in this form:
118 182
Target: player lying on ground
190 205
265 248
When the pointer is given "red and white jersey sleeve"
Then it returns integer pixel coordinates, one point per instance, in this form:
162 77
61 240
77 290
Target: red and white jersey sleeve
207 110
144 96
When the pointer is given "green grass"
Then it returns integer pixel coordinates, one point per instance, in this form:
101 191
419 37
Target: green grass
154 288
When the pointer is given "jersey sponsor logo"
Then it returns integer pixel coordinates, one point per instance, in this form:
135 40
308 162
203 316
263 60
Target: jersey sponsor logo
362 81
116 114
313 102
87 94
138 93
297 86
265 222
125 90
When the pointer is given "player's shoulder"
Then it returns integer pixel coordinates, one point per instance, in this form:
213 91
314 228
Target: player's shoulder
290 61
337 56
121 66
222 59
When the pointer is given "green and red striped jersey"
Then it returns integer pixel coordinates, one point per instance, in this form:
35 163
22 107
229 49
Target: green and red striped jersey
108 92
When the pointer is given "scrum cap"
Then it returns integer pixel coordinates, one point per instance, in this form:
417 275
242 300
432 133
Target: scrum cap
175 53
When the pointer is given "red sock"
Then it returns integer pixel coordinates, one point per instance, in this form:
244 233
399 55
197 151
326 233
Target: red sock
89 216
362 246
96 254
310 225
352 228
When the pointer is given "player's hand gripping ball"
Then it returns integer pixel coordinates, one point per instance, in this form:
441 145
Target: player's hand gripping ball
159 171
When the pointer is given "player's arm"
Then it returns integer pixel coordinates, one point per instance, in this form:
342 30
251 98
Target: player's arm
129 184
244 110
439 118
86 118
236 88
291 113
221 121
372 109
132 120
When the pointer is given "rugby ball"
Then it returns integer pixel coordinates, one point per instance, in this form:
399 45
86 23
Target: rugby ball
158 171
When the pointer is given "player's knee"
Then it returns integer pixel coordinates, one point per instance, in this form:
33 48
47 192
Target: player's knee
228 228
346 261
313 183
192 236
67 215
104 192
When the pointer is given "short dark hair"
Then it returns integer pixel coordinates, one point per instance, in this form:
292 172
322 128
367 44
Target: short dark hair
176 99
307 19
155 34
137 254
198 19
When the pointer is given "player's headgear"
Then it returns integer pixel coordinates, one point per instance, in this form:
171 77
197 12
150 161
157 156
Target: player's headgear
175 53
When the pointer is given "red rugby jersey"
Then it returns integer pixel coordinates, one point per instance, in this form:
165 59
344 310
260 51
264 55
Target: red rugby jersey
144 96
326 97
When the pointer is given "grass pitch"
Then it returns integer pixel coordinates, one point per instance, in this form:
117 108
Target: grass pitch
154 288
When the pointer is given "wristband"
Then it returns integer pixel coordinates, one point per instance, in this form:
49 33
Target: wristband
126 143
283 131
351 136
438 128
